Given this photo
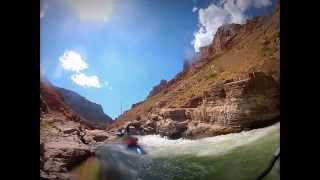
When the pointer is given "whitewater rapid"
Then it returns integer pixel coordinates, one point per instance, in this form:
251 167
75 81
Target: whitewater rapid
158 146
240 156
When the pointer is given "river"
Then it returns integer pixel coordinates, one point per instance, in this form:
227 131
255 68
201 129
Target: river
241 156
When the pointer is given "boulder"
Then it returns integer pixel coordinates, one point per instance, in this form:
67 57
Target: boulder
149 127
99 135
171 129
62 156
93 136
69 130
61 146
100 138
200 130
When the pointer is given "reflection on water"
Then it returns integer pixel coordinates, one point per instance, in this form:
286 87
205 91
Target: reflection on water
89 170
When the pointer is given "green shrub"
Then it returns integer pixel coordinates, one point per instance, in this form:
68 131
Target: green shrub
211 75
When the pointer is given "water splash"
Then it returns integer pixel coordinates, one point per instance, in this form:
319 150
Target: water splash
158 146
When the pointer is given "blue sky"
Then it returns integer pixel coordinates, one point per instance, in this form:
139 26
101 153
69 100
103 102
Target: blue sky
114 52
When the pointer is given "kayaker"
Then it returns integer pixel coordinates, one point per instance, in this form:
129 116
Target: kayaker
132 142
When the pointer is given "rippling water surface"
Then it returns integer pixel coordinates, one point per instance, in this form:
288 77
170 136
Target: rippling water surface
234 156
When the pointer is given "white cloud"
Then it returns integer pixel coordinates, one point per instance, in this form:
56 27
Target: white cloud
72 61
227 12
210 20
243 4
92 10
236 14
110 88
194 9
86 81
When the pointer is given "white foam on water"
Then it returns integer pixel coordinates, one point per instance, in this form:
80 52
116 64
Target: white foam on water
158 146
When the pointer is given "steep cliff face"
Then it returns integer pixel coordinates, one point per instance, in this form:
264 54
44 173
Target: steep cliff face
73 106
248 103
232 106
234 86
51 99
90 111
221 41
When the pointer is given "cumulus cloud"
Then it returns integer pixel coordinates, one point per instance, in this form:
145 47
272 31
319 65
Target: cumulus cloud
92 10
72 61
194 9
86 81
210 20
216 15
